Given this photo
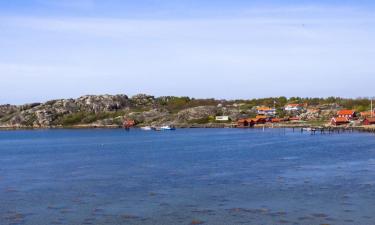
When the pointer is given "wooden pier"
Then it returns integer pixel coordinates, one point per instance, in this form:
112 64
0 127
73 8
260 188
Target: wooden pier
332 130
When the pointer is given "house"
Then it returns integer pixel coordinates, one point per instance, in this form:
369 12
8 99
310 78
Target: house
250 122
350 114
367 114
267 111
337 121
369 121
293 107
275 120
222 118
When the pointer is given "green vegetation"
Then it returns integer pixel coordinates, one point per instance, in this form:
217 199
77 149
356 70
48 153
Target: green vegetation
176 104
87 118
200 121
360 104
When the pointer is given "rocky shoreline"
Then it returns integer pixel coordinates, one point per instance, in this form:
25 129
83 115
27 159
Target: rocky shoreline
109 111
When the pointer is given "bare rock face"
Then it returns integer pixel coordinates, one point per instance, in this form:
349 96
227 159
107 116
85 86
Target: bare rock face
196 113
44 118
7 109
102 103
149 117
142 100
48 113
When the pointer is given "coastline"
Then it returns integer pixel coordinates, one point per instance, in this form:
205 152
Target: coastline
370 129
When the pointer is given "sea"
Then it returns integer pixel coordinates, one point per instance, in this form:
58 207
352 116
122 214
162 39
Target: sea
187 176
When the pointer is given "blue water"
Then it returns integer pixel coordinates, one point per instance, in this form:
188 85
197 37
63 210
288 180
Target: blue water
187 176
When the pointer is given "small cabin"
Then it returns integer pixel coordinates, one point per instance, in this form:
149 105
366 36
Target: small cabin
369 121
222 118
337 121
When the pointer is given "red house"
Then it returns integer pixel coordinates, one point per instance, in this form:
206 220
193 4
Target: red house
346 113
250 122
369 121
242 123
337 121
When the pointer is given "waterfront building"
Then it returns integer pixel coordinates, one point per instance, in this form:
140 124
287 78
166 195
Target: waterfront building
337 121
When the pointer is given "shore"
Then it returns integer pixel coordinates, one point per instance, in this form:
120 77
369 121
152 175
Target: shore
323 128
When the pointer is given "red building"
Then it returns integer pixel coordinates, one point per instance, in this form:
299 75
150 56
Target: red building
369 121
250 122
337 121
346 113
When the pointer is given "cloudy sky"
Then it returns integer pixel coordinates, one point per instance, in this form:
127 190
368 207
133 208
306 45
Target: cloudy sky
201 48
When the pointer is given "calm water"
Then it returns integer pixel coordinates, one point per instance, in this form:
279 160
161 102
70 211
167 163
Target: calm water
215 176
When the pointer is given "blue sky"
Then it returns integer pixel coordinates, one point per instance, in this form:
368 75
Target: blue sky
200 48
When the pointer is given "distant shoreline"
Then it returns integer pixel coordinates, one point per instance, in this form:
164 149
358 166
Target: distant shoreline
369 129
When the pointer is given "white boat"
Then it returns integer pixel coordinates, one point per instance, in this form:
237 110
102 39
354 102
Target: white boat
146 128
167 128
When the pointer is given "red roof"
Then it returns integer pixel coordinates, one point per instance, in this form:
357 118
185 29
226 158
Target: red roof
345 112
293 105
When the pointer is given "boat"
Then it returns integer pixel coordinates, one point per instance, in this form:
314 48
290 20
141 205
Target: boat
146 128
167 128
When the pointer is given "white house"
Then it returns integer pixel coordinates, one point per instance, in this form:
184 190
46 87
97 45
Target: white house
267 111
222 118
293 107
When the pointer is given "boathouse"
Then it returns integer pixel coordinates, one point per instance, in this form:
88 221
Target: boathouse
337 121
369 121
243 123
250 122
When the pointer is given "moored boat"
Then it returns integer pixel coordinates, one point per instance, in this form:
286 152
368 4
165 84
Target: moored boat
146 128
167 128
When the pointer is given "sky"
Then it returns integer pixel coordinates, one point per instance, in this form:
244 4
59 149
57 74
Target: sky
232 49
